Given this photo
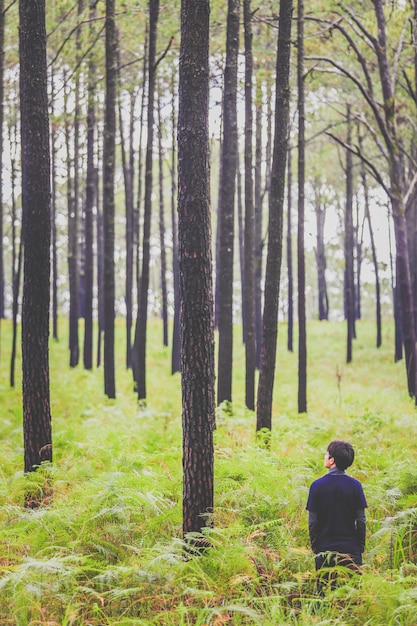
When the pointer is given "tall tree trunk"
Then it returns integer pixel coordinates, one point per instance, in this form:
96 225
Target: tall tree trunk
37 428
249 216
128 165
74 218
302 332
323 300
290 335
196 290
374 256
275 225
164 292
141 322
54 251
241 238
176 338
139 204
397 201
89 207
73 275
16 257
258 246
227 207
349 272
108 199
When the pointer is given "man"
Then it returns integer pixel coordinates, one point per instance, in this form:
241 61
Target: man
336 512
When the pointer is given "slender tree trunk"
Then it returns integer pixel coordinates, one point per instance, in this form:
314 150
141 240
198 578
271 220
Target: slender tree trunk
89 207
349 272
164 291
258 224
397 200
241 237
127 163
73 275
275 225
374 257
141 323
16 258
227 207
176 339
108 200
302 333
323 300
290 336
138 217
54 251
37 428
196 290
249 216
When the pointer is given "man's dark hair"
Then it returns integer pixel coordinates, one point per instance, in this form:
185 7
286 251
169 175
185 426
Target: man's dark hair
342 452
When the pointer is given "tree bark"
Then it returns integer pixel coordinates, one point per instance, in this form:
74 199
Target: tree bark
176 338
249 216
108 200
89 207
258 245
349 271
141 322
128 166
196 290
302 328
290 335
323 300
227 207
275 224
397 202
164 290
37 427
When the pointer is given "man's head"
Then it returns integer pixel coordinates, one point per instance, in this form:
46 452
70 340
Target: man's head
342 453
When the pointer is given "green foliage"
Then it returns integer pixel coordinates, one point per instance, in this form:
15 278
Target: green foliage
106 548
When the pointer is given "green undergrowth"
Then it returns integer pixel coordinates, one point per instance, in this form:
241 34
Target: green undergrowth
106 547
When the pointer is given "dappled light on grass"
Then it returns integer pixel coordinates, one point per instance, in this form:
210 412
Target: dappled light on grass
107 548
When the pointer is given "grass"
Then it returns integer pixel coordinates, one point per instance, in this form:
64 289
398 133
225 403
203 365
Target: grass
107 550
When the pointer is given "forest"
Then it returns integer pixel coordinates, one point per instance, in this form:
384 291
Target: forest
208 270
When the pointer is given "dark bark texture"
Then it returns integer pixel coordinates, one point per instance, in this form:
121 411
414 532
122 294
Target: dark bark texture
249 245
302 327
37 428
227 207
139 356
108 199
196 290
275 224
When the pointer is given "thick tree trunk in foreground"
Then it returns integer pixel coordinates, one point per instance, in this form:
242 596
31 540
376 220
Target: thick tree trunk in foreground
37 428
276 208
196 290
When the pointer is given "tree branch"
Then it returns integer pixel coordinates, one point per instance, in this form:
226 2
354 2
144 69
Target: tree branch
355 150
163 55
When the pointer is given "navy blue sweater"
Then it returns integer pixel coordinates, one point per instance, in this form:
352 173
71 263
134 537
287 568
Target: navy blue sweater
337 503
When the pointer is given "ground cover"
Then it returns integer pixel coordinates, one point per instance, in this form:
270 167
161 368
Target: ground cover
106 546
